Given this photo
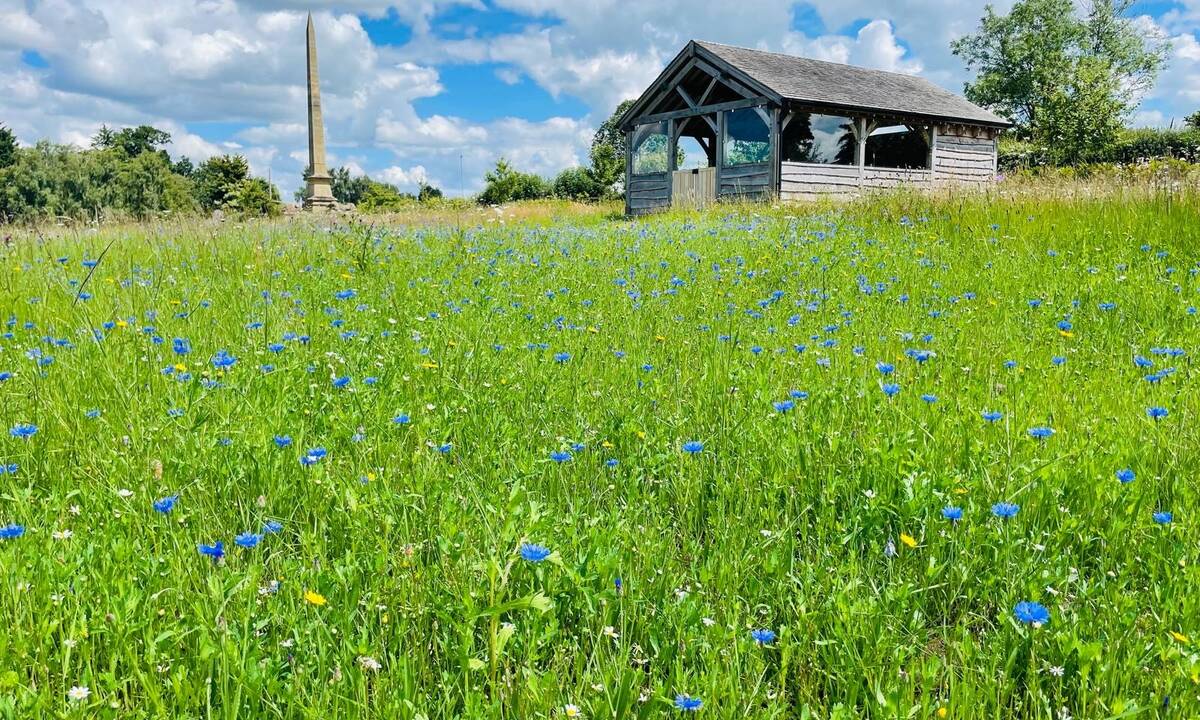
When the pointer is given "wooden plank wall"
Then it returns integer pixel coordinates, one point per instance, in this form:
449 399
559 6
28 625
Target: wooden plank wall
693 188
746 181
964 156
647 193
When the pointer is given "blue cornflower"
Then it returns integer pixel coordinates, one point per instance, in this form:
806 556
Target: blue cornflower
693 446
1162 517
952 513
534 553
223 360
798 395
92 414
1156 412
11 532
1057 360
763 636
890 389
341 382
1125 476
1005 509
248 540
312 457
611 462
167 504
1032 613
562 357
885 368
992 415
1041 433
560 456
216 551
783 405
688 703
401 419
344 294
271 527
276 347
931 399
23 430
283 441
445 448
181 346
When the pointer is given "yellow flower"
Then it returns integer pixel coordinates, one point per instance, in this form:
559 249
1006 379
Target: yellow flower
941 712
122 323
428 365
1180 637
908 540
314 598
606 445
593 329
180 367
1066 334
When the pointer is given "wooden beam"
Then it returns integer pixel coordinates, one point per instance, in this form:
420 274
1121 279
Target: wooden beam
727 78
787 120
860 146
671 150
693 104
712 83
628 166
734 73
775 136
704 110
719 150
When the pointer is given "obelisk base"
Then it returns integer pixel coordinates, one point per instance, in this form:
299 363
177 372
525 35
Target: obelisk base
320 194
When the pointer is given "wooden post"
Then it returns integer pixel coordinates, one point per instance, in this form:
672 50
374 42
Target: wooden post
719 149
672 144
933 141
775 153
628 167
860 147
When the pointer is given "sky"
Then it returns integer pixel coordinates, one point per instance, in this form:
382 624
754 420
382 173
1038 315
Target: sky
435 90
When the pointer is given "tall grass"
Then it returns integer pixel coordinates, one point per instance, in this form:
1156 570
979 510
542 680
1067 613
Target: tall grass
829 365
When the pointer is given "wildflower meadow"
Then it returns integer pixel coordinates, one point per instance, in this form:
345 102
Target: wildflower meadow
909 458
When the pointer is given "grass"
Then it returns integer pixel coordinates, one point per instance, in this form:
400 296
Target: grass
493 374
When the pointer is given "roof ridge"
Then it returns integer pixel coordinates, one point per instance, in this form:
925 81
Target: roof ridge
817 60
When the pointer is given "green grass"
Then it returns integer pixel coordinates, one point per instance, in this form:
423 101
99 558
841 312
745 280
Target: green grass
782 522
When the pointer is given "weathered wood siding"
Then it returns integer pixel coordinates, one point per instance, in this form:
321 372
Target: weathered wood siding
800 181
693 188
746 181
807 180
647 193
964 157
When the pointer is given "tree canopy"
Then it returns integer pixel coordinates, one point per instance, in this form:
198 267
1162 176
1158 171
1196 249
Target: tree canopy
1067 80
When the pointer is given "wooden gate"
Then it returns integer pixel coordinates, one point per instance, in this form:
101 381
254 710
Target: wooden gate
693 188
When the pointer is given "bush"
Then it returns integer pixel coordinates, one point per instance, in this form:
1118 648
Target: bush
505 184
217 178
254 197
577 183
1131 146
381 197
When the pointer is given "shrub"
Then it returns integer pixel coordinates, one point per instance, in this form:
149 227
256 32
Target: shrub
254 197
577 183
505 184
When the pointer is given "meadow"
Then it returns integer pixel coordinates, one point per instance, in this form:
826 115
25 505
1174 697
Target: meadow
905 458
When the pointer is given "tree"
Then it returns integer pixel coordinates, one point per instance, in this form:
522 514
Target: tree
216 179
253 197
345 188
183 166
381 197
576 183
1193 120
8 147
428 193
506 184
1067 82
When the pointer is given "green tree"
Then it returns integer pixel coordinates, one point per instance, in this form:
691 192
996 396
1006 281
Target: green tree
254 197
429 193
216 179
507 184
8 147
141 183
1193 120
1066 81
346 188
576 183
183 166
381 197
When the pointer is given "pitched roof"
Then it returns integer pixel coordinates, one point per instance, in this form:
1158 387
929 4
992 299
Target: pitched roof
826 83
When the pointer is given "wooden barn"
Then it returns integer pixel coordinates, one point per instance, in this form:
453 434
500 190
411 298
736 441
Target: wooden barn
728 122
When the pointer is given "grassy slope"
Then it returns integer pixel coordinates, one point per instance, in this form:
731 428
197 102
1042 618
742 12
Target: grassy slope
781 522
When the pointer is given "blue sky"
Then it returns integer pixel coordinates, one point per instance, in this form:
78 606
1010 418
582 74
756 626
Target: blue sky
415 89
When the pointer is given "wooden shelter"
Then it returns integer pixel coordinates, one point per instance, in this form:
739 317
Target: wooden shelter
728 122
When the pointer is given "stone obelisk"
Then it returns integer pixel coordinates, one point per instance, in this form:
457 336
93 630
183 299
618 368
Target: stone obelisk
319 194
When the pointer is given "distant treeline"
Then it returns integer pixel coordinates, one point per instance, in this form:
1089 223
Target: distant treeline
126 173
1131 146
